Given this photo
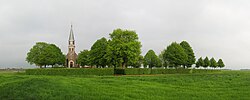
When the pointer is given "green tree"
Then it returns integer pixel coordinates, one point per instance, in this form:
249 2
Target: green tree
98 53
55 55
206 62
213 63
220 63
159 63
151 59
190 54
175 55
124 48
164 63
138 63
199 63
84 58
43 54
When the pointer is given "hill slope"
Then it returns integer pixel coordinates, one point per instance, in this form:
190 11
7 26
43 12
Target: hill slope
225 85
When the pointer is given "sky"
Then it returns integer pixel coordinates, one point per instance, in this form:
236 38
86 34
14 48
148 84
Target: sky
214 28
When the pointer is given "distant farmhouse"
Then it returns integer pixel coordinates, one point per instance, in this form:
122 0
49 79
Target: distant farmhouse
71 56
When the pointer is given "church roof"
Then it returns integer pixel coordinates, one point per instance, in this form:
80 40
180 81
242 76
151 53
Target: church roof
71 35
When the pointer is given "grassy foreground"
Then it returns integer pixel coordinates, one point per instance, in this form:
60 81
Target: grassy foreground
224 85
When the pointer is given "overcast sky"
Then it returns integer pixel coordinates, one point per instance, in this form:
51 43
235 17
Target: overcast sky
214 28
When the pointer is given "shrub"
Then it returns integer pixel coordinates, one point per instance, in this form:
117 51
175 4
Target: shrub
111 71
184 71
171 71
159 71
144 71
137 71
74 71
132 71
119 71
141 71
204 71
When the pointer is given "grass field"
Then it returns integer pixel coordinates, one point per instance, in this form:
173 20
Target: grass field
224 85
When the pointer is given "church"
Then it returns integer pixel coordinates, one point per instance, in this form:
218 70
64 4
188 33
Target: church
71 57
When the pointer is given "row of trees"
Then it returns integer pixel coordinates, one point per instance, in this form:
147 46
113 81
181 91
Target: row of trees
209 63
175 55
123 49
179 55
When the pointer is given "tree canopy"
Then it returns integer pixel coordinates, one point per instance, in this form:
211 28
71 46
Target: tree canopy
221 63
163 61
43 54
151 59
84 58
213 63
175 55
124 47
98 53
206 62
199 63
138 63
190 53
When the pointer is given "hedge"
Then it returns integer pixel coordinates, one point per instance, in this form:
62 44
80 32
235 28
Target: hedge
137 71
204 71
164 71
119 71
72 71
141 71
111 71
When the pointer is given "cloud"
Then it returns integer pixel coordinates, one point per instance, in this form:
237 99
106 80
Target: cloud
214 28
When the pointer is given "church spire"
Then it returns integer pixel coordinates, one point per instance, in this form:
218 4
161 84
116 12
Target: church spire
71 56
71 35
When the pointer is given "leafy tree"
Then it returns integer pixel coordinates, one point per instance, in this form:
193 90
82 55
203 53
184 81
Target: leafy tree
55 55
175 55
83 58
151 59
35 56
213 63
190 54
124 47
220 63
98 53
206 62
164 62
159 63
199 63
43 54
138 63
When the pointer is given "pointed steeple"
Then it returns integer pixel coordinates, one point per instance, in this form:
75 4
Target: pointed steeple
71 35
71 56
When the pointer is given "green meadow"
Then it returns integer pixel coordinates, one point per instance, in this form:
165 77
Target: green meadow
221 85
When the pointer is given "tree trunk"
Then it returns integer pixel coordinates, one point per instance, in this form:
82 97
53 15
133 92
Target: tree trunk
151 70
123 65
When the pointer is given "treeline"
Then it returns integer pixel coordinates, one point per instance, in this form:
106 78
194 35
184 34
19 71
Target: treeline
209 63
123 50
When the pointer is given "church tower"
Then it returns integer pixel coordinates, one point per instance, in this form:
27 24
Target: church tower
71 56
